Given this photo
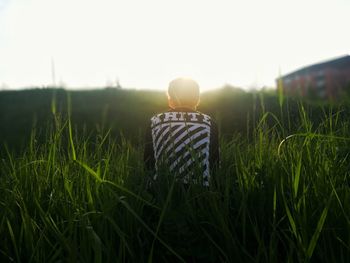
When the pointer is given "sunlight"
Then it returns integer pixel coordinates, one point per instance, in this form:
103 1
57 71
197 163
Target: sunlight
147 43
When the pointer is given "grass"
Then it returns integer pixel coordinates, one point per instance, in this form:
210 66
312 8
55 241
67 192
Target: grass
277 197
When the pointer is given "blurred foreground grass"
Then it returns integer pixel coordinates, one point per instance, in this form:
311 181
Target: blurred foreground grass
279 196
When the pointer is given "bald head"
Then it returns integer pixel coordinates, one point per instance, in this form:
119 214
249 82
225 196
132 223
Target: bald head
183 92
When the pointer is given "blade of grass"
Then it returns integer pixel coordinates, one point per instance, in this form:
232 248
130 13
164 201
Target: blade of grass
297 177
13 239
315 236
74 156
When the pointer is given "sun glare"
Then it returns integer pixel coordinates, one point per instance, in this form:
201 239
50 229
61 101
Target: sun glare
145 44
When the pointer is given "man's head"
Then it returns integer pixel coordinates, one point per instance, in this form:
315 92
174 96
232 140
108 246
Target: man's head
183 92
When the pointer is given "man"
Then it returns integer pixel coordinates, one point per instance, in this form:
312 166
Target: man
182 140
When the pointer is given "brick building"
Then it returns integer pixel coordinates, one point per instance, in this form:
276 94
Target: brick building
328 79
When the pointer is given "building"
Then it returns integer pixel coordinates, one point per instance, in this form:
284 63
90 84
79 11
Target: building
329 79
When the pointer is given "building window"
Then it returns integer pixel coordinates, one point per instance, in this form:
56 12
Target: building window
287 81
320 83
320 80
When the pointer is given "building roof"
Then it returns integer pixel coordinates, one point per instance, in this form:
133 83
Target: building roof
341 62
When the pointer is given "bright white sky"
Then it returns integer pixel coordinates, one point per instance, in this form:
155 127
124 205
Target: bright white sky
145 44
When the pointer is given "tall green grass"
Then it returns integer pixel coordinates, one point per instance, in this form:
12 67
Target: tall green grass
277 197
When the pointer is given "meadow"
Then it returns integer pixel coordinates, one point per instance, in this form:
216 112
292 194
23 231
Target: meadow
74 188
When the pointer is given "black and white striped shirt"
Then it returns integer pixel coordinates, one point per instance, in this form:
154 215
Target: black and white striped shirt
183 141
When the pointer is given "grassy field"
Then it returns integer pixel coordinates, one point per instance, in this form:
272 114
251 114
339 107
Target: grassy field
280 195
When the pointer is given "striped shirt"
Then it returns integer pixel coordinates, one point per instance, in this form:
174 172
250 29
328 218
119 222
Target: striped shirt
184 142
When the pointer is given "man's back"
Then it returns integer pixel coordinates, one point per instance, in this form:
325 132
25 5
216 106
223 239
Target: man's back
184 141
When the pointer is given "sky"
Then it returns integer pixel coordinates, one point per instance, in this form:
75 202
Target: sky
146 44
